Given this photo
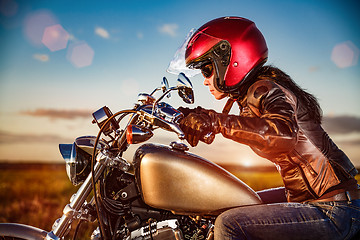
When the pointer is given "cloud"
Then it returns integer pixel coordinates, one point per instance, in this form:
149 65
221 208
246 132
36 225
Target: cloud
102 32
58 114
169 29
314 69
41 57
10 138
341 124
140 35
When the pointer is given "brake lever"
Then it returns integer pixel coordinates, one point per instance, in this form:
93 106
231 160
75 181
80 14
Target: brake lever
156 120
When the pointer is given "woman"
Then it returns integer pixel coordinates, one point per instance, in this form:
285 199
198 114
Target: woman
280 122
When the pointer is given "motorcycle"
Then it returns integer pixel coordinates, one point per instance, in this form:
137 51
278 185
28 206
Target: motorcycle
166 192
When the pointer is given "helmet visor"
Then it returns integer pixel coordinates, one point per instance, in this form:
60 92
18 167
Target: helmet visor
192 55
178 64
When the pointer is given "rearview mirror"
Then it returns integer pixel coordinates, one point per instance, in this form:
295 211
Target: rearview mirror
185 89
165 86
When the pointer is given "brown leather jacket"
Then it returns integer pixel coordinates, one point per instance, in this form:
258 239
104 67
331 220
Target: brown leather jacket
277 127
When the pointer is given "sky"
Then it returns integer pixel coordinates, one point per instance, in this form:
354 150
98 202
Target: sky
62 60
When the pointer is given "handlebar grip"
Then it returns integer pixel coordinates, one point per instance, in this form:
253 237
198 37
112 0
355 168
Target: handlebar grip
208 138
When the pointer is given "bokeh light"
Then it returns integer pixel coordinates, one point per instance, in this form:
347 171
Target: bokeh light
80 54
345 54
8 8
55 37
35 24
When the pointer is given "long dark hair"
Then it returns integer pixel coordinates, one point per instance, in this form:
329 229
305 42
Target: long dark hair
308 100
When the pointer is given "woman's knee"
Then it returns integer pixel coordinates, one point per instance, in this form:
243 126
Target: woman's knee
226 227
223 219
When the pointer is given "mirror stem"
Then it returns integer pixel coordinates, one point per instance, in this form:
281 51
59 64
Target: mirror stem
162 96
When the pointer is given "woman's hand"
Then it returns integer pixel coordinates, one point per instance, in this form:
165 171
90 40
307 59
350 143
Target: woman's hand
195 126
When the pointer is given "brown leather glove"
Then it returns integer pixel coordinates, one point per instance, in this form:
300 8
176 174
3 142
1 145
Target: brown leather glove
195 126
186 111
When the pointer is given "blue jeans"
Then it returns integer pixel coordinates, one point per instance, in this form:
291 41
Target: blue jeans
326 220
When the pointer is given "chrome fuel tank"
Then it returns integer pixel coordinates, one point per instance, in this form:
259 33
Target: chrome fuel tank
187 184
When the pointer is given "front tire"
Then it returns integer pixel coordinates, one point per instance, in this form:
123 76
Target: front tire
10 238
14 231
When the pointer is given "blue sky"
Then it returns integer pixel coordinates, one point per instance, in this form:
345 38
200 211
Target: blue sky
133 42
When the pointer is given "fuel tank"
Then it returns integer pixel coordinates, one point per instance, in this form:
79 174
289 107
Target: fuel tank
185 183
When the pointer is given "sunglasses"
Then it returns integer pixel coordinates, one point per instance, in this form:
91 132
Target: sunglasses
207 70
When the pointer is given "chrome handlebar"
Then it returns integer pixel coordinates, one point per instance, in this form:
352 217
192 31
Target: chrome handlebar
167 117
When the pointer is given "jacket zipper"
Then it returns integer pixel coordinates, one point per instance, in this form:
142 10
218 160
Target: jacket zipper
307 184
306 164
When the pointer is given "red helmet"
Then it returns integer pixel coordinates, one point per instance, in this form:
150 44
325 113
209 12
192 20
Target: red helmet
234 46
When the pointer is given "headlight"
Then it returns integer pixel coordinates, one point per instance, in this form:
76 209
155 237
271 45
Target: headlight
77 158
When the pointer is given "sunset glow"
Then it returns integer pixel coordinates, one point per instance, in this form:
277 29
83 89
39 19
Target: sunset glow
62 60
246 162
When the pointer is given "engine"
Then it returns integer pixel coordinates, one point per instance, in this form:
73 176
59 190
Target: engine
164 230
174 229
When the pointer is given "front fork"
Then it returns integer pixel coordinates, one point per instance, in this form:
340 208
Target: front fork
72 209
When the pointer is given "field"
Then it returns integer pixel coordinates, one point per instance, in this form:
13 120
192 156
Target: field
36 194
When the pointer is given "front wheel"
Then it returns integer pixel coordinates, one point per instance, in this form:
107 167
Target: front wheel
12 231
10 238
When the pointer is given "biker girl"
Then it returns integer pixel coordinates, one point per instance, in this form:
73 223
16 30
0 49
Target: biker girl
280 122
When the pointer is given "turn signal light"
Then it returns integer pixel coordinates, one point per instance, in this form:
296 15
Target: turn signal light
136 134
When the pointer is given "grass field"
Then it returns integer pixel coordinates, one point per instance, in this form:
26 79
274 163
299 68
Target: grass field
36 194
